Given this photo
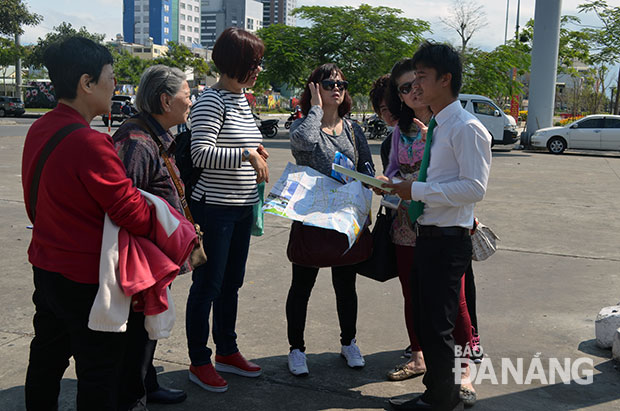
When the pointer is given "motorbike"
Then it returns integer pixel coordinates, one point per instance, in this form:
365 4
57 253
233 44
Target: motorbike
294 116
268 128
375 127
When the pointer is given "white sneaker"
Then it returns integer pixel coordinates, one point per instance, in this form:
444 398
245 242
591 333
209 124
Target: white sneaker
353 355
297 363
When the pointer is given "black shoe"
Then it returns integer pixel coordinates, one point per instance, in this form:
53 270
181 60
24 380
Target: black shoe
402 404
164 395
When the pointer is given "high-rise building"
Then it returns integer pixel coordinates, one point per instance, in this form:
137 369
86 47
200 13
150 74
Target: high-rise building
220 14
161 20
278 11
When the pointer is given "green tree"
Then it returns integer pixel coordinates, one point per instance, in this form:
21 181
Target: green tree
177 55
60 33
180 56
14 15
286 57
365 42
128 68
606 39
490 72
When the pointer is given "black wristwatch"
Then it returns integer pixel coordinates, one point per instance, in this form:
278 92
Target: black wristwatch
245 155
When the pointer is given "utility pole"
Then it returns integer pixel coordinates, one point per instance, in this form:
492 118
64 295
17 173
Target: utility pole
544 67
518 13
18 70
615 111
506 26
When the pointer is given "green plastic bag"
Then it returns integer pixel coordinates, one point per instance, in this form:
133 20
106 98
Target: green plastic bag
258 226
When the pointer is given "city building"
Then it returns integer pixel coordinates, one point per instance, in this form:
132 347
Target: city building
162 21
148 50
217 15
278 11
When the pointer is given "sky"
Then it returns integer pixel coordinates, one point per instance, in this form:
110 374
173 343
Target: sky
105 16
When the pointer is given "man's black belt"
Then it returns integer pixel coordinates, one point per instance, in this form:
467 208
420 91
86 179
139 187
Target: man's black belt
434 231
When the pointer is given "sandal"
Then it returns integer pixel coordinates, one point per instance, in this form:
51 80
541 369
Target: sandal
468 397
403 372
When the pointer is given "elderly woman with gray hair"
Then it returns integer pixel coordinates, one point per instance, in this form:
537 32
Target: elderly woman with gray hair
163 101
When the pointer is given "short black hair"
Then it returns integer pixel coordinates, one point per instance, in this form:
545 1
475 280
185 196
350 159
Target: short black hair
444 59
325 71
68 60
237 53
400 110
378 92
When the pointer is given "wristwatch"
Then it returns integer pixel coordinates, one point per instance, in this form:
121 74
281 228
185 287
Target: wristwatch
245 155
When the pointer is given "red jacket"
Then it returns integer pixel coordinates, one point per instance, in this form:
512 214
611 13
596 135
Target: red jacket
82 180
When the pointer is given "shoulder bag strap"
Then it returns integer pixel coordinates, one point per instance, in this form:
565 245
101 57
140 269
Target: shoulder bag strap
45 153
353 140
162 151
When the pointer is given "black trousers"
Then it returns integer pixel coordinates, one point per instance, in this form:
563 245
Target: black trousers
61 331
436 285
343 280
138 376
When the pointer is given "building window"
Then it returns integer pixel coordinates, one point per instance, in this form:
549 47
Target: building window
166 8
183 6
166 19
196 20
182 38
182 16
183 27
189 39
196 29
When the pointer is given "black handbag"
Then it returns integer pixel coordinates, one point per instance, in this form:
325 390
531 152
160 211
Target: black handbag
381 266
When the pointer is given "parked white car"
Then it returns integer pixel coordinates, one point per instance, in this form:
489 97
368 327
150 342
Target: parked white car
503 128
594 132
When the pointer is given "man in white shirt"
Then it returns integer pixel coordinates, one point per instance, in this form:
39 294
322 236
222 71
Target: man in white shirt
457 175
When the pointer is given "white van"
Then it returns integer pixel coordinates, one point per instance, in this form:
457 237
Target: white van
503 128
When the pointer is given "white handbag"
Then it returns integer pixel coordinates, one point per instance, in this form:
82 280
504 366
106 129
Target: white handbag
484 243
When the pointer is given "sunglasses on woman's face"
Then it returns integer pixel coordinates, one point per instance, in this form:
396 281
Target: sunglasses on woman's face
405 88
331 84
257 64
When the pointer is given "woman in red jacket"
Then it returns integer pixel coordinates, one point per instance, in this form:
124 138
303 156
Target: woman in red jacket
82 180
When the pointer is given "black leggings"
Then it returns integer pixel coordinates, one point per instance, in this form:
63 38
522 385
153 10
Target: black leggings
343 279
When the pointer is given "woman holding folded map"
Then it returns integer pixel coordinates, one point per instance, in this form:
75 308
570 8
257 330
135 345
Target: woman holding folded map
318 140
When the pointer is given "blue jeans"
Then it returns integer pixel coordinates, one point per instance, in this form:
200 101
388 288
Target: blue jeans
216 283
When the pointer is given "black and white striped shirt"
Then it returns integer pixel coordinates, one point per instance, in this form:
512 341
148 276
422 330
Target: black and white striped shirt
222 126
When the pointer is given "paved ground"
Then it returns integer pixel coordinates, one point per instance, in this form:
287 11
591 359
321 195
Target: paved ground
537 297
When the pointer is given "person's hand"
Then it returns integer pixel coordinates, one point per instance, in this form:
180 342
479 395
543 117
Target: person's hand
423 128
315 94
260 166
379 191
402 189
263 153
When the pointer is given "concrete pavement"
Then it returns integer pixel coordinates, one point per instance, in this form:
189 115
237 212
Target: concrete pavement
538 296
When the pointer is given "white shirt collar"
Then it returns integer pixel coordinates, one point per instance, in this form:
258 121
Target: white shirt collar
448 111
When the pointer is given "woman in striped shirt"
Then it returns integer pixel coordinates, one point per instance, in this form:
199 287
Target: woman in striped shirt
226 146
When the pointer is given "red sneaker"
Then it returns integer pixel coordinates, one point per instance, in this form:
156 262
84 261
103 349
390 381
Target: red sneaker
236 364
206 377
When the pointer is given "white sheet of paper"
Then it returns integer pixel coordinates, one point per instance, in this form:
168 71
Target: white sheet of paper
375 182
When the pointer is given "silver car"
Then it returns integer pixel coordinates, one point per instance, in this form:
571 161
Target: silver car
594 132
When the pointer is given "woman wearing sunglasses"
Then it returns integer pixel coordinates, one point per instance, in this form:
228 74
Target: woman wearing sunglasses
318 140
408 141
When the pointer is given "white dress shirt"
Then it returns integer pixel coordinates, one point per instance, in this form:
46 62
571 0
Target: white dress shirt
458 171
